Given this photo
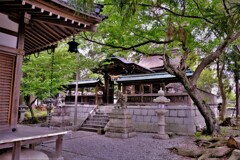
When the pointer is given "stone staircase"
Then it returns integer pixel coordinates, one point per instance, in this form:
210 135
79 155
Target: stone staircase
98 120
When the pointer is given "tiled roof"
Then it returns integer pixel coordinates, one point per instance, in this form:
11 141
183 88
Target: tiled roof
152 76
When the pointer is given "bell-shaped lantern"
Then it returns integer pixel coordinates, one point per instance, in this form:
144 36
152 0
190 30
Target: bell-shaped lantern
73 46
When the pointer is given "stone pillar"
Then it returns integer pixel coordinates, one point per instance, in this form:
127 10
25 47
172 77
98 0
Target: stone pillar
161 112
120 121
120 124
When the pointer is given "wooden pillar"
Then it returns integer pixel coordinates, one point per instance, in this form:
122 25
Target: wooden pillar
16 151
18 72
96 95
59 147
119 87
142 92
106 88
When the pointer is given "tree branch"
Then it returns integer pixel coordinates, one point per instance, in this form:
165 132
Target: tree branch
211 57
225 7
177 14
133 47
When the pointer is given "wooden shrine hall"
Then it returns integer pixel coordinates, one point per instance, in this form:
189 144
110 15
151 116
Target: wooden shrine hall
111 69
89 92
140 82
29 27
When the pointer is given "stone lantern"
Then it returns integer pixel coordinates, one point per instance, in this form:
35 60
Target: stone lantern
161 112
22 109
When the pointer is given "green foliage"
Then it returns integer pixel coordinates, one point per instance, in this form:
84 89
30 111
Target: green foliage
207 80
201 136
37 72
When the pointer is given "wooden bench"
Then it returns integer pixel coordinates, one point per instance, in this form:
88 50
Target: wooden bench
26 135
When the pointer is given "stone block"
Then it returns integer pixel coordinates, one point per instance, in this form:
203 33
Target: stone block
70 109
139 119
80 110
130 111
173 127
147 118
134 118
191 129
144 112
197 112
182 128
172 113
154 119
190 113
85 109
188 120
178 120
137 111
170 119
181 113
151 112
71 114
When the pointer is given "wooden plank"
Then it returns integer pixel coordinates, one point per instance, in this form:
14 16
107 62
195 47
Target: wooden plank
28 33
58 30
50 30
9 50
36 33
33 40
6 68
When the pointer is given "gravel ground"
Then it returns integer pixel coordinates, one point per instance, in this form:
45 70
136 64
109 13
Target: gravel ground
83 145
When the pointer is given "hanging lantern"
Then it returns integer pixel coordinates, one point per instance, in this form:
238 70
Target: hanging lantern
73 46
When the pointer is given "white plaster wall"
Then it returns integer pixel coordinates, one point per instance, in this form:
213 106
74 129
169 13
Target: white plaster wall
5 39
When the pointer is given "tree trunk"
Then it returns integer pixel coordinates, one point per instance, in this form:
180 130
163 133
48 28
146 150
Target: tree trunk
205 110
221 87
29 104
237 95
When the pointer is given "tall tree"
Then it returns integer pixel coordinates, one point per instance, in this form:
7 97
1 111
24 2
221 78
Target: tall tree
234 67
200 27
37 79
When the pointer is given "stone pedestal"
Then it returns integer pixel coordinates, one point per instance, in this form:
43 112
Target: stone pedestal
161 123
120 124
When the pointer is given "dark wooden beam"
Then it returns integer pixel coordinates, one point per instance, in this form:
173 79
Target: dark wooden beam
66 24
7 31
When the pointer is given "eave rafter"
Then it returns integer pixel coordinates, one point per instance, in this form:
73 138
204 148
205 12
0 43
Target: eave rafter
47 22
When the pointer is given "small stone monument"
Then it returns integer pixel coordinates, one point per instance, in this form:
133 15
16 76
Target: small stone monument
120 121
161 112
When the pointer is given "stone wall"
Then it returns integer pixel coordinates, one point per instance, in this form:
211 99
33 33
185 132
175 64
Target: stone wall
180 119
66 114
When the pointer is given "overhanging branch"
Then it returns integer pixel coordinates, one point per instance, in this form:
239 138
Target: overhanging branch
133 47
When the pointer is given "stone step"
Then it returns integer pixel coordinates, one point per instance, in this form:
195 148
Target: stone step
104 111
96 122
93 125
99 117
90 129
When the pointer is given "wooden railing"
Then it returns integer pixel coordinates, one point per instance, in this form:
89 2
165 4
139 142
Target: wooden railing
84 99
176 98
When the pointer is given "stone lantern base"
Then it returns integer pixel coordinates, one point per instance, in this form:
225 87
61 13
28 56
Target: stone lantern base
120 124
161 123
